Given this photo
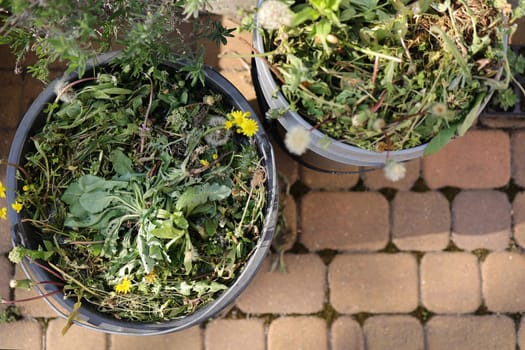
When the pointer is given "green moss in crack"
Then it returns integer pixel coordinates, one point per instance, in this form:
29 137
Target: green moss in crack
10 314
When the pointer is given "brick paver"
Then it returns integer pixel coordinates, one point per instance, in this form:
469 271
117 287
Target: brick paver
450 282
344 221
470 333
288 168
33 308
6 135
518 218
393 333
235 335
6 273
188 339
5 235
31 88
480 159
286 236
420 221
89 339
347 334
325 181
301 289
377 283
481 219
521 334
503 276
518 157
376 180
25 334
305 333
10 99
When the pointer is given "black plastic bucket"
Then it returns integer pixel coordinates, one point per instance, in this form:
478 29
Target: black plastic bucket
23 234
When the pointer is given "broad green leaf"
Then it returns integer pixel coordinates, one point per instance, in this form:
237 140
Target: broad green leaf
205 287
166 230
91 182
200 194
18 253
72 193
148 263
121 163
440 140
188 255
306 14
88 220
95 201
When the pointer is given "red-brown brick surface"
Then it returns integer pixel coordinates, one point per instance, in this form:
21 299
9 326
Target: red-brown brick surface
518 157
301 289
188 339
376 180
501 292
481 219
480 159
375 283
235 335
302 332
347 334
420 221
518 218
344 221
434 261
450 282
393 332
471 333
326 181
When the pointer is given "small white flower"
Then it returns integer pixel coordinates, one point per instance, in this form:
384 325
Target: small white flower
394 170
297 140
273 14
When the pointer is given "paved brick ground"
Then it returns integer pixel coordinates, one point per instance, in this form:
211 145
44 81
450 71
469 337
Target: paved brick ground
434 261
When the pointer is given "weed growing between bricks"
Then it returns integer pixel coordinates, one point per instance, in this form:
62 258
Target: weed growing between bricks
481 254
450 192
482 310
420 186
422 314
388 193
327 255
390 248
329 314
512 190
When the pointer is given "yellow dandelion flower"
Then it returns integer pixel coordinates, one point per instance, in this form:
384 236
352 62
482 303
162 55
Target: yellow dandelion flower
17 206
228 124
124 286
204 162
215 156
2 190
249 127
150 277
25 188
238 117
3 213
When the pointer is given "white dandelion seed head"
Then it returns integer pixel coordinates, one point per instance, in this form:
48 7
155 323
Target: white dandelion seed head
297 140
62 92
273 14
220 136
394 170
439 109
